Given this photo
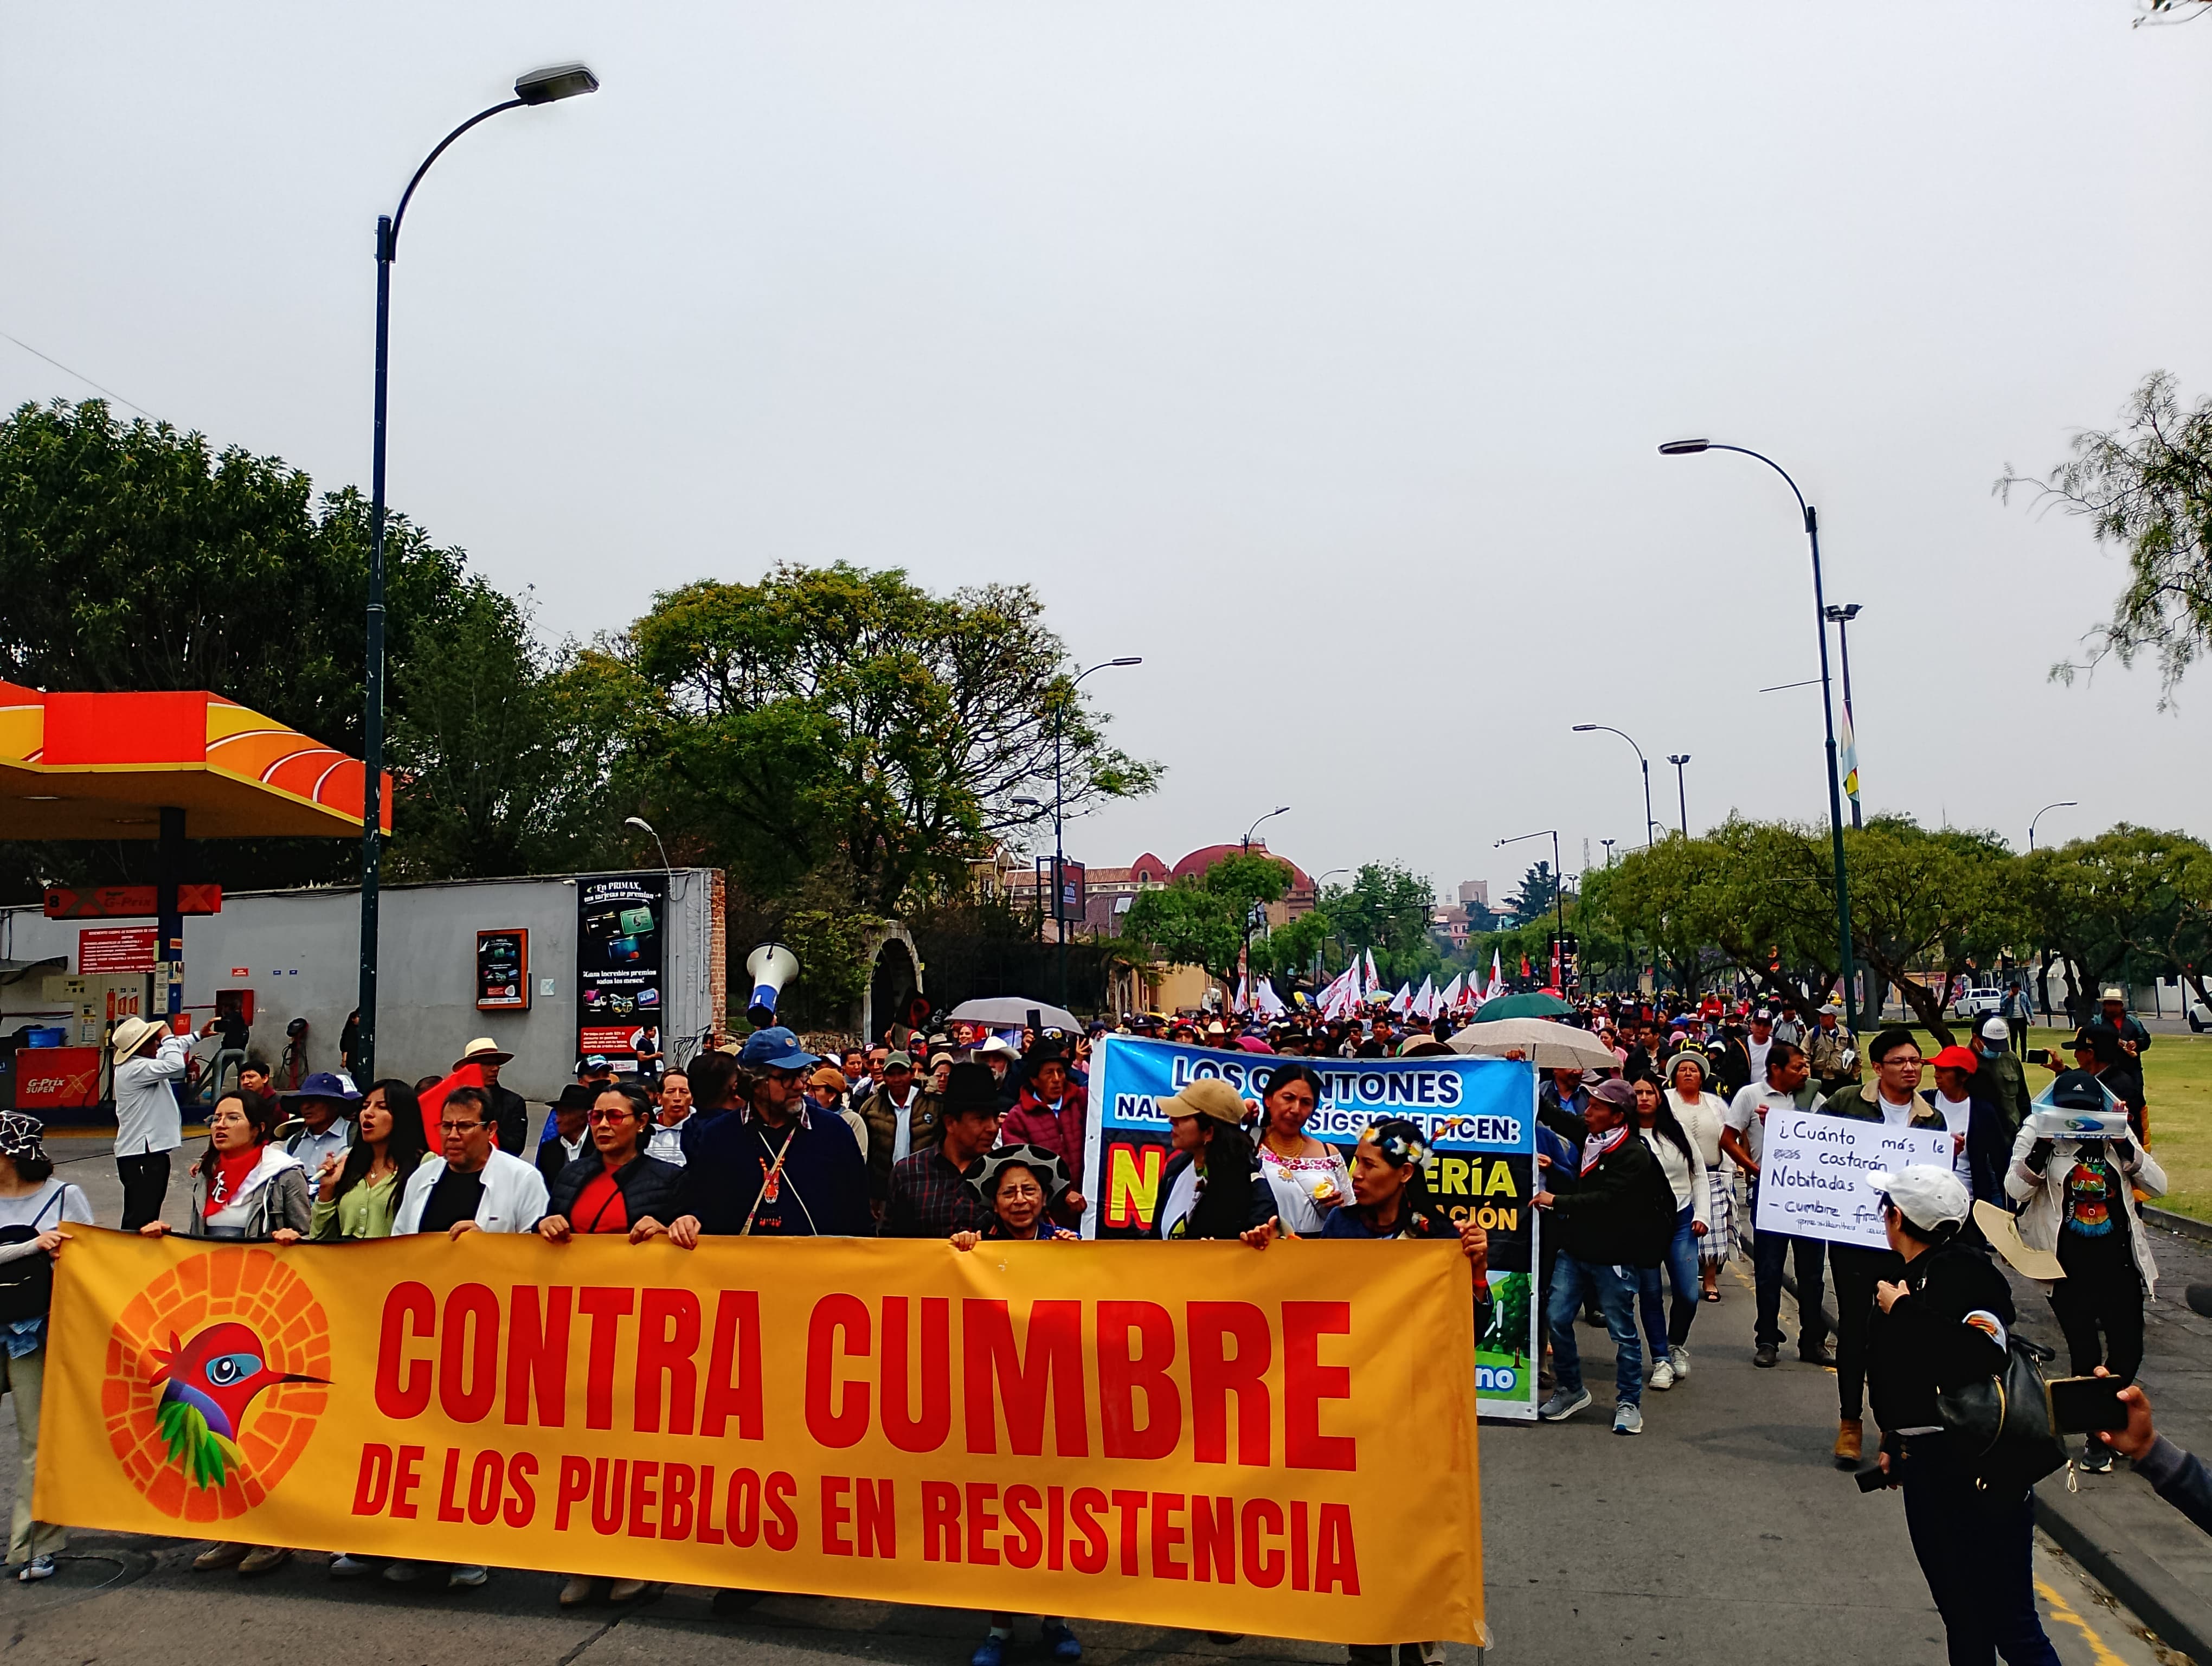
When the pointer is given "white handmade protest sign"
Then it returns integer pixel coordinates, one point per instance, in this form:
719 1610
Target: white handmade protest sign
1812 1180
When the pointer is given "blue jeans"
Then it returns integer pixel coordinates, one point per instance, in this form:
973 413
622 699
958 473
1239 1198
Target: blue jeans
1975 1552
1614 1290
1668 1329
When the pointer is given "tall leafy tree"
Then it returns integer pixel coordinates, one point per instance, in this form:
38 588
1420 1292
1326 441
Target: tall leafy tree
2146 487
1205 921
832 712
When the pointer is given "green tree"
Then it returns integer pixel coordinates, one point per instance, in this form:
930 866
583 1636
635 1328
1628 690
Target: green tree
2147 488
1203 921
834 713
1539 887
1385 909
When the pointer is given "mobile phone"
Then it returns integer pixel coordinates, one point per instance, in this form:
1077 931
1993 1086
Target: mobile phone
2079 1405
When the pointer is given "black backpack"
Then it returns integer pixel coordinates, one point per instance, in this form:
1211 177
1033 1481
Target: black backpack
27 1283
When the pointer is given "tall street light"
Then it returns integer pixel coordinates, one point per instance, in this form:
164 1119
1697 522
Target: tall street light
2063 804
1691 447
1588 729
1280 810
1559 887
1841 618
548 86
1682 791
1059 854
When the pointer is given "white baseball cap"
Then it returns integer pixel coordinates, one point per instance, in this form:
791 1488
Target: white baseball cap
1996 1028
1926 1195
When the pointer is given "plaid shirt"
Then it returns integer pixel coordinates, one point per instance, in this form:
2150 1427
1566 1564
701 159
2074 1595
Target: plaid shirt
930 1198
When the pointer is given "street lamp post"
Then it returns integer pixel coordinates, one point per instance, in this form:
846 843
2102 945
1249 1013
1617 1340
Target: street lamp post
1841 616
1682 791
1691 447
1558 890
2063 804
1059 851
1645 763
1608 843
548 86
1280 810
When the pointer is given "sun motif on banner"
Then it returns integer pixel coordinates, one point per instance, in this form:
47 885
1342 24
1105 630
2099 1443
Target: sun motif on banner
216 1373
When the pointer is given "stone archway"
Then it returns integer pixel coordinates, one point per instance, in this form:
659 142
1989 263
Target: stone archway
894 978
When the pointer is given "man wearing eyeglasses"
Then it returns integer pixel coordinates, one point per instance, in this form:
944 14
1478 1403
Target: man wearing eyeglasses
478 1187
1893 1099
773 1167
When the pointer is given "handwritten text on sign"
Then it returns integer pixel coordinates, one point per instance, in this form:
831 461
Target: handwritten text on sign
1811 1182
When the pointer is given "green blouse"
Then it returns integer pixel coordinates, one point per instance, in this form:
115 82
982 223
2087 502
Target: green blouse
364 1211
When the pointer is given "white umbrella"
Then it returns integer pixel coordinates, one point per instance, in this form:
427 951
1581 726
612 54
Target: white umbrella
1551 1046
1011 1011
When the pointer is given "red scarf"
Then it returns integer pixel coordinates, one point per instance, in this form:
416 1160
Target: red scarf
229 1180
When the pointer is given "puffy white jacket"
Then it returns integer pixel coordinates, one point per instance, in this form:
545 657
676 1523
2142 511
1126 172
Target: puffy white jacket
513 1198
2045 1196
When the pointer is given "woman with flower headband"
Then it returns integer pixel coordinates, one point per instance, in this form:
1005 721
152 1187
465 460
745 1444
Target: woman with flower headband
1308 1176
1390 1200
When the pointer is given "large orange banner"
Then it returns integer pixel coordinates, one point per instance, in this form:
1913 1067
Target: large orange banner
1279 1442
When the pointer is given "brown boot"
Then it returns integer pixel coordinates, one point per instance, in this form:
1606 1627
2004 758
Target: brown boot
1849 1434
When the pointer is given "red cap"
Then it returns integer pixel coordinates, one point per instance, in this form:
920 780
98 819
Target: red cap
1954 1058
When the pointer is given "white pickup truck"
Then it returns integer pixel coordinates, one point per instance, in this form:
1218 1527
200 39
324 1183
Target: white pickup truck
1977 1002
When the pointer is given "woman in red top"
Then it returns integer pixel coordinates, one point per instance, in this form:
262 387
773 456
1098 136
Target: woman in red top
612 1188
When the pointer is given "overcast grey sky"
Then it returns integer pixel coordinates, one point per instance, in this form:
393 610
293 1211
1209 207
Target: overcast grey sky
1316 353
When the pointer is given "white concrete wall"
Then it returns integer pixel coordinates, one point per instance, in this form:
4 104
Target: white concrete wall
302 951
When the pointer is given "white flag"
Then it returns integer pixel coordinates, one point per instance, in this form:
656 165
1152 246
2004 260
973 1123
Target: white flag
1424 1003
1448 1000
1374 978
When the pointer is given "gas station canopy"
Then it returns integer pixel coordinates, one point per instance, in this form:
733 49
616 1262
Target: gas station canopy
104 766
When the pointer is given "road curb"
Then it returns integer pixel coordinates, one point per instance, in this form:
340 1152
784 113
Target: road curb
2187 1225
2181 1616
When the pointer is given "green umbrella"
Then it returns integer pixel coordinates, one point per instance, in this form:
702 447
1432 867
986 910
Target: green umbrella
1534 1004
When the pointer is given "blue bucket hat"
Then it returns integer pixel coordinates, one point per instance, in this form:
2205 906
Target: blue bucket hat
324 1085
774 1049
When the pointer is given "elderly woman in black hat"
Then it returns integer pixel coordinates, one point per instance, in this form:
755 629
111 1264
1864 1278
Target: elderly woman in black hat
35 1207
1019 1184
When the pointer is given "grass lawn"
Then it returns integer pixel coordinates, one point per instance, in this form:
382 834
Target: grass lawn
2178 1084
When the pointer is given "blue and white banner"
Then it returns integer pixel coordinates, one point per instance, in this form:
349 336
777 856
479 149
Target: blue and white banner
1479 1116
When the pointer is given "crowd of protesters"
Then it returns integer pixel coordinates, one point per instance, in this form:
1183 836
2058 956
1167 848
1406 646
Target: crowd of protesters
1648 1178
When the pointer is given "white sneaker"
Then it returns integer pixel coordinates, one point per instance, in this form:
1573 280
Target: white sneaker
1628 1420
38 1567
1681 1360
463 1576
1662 1377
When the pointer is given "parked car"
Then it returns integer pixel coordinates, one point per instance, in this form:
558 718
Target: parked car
2199 1019
1977 1002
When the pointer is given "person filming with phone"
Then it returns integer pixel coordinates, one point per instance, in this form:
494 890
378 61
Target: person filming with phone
2077 1200
1946 1325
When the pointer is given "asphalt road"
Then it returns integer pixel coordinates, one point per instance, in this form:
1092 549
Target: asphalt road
1722 1535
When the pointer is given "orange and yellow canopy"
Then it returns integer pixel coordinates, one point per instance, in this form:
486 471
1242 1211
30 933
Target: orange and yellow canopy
103 766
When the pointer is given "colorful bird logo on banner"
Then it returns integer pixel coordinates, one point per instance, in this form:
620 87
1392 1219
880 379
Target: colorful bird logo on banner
206 1385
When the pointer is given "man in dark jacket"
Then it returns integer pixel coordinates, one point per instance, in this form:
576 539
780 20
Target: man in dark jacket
568 1140
930 1196
510 1111
614 1186
2121 1041
1892 1097
772 1166
1604 1213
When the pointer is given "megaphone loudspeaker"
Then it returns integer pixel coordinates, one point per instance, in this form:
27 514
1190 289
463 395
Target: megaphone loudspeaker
770 967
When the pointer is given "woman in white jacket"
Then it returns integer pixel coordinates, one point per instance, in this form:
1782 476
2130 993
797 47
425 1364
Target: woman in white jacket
2078 1198
1667 1331
1703 1115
